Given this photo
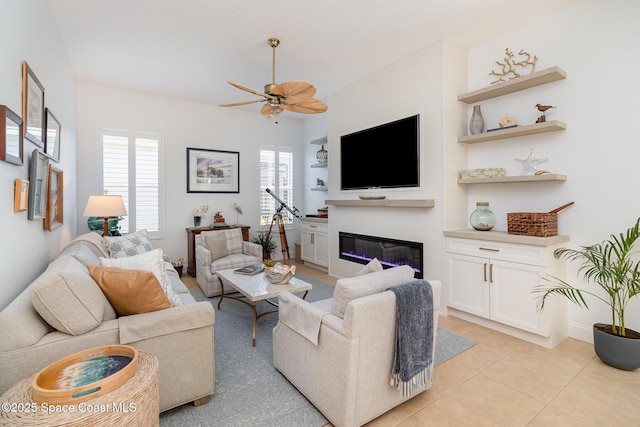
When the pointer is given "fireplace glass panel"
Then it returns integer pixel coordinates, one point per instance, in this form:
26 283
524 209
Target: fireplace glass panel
390 252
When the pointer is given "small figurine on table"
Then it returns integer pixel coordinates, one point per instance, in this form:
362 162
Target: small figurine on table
219 221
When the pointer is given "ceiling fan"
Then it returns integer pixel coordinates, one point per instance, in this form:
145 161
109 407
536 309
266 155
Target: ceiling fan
295 96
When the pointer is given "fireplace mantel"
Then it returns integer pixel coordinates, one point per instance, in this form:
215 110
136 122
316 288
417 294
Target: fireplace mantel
385 203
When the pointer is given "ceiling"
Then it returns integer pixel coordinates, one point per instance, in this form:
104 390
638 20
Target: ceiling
188 49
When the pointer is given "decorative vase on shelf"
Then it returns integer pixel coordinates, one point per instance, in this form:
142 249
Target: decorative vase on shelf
482 218
476 124
196 221
321 155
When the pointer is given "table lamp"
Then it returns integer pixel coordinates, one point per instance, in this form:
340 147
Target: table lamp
105 207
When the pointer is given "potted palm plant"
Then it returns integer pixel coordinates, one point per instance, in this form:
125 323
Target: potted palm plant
265 239
614 266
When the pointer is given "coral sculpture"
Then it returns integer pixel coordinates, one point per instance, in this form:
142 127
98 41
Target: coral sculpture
509 66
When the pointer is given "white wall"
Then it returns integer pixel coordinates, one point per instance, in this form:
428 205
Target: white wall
416 85
595 43
183 124
29 34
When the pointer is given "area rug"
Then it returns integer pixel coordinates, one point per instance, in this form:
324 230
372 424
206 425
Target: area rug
249 390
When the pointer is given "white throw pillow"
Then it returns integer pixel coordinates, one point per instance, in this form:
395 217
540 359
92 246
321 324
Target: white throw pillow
150 261
373 266
356 287
217 244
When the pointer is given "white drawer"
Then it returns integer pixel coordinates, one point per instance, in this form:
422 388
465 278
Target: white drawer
524 254
314 227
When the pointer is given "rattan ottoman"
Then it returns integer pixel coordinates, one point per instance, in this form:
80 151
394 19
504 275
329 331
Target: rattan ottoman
135 403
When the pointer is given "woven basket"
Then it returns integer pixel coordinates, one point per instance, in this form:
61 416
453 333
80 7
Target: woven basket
539 224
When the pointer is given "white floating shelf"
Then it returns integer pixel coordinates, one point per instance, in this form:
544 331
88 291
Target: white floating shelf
538 78
532 129
386 203
517 178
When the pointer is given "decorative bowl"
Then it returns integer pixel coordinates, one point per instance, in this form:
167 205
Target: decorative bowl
85 375
280 274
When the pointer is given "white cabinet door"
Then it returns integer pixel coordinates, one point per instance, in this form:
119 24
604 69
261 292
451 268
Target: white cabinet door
307 247
512 301
322 249
468 284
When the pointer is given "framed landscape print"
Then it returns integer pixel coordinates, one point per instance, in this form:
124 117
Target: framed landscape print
54 216
32 106
52 136
10 136
38 179
212 171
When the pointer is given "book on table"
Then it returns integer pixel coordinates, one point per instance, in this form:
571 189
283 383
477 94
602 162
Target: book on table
250 270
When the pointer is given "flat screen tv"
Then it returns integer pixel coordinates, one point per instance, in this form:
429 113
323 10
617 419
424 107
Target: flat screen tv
385 156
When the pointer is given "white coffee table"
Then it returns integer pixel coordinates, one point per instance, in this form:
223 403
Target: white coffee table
257 288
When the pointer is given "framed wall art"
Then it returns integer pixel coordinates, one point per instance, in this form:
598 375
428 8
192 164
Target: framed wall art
21 195
212 171
55 198
52 136
10 136
32 106
38 179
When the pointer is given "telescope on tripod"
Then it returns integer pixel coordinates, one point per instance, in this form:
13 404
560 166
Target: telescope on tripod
278 217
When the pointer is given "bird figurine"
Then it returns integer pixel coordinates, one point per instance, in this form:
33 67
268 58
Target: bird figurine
543 109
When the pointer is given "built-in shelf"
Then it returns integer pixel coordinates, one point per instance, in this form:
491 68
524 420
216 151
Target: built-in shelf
551 126
319 141
388 203
320 165
538 78
506 179
504 237
319 189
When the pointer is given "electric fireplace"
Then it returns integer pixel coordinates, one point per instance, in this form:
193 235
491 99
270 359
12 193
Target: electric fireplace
390 252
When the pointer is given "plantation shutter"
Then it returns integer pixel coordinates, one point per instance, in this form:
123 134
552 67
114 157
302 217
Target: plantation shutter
131 169
276 174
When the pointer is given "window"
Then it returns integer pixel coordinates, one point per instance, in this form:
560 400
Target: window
276 174
131 169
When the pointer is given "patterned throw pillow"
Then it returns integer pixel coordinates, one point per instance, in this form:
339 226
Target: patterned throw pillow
129 244
150 261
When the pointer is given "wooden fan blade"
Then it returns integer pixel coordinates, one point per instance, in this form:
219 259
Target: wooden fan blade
311 106
294 92
268 110
235 104
248 89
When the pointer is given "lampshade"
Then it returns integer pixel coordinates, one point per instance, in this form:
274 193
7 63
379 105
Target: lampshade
105 206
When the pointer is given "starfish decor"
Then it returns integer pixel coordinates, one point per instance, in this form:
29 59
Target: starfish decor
530 164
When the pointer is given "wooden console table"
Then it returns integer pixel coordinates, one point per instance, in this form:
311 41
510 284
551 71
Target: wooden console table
191 243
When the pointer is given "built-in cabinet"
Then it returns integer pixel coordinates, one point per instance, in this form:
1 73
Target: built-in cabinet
314 247
490 277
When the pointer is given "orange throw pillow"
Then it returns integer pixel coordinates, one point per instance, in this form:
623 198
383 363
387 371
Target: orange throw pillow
130 291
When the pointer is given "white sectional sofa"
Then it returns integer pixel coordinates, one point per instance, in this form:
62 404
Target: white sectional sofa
64 311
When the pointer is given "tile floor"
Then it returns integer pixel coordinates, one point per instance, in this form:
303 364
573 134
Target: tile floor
505 381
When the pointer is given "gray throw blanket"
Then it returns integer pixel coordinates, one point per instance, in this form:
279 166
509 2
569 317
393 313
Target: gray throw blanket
413 361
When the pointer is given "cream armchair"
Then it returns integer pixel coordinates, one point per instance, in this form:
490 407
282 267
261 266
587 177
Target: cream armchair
339 352
232 252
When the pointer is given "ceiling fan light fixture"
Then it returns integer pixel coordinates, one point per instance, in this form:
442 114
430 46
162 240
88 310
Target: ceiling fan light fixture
294 96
